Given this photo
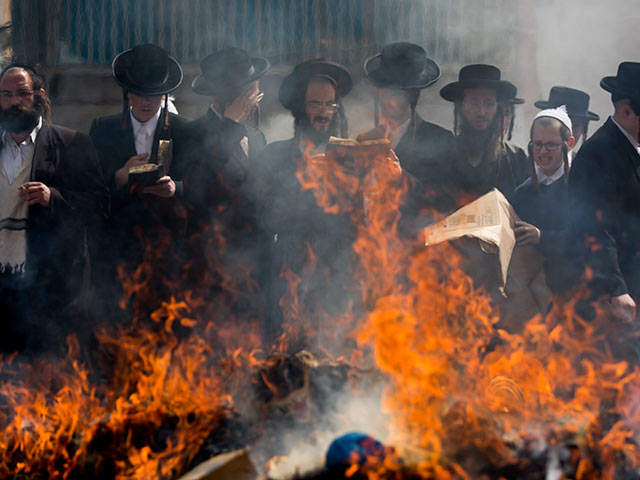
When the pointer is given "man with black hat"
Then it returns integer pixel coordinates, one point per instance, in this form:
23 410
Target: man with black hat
224 140
129 140
51 192
577 104
483 159
604 197
291 217
398 74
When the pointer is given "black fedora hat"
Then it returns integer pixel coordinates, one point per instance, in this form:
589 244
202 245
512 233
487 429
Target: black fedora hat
401 65
227 69
479 76
294 85
147 69
576 101
626 83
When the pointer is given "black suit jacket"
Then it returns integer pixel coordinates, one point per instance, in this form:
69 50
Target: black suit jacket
424 152
65 161
219 167
604 200
115 146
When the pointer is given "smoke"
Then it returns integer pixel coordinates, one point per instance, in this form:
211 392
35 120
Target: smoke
307 445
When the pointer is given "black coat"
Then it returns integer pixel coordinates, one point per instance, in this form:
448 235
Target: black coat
215 147
222 230
547 207
42 306
425 152
118 242
604 198
295 226
66 162
115 145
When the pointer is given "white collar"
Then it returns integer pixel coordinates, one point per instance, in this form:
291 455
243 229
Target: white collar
149 126
545 179
634 141
7 139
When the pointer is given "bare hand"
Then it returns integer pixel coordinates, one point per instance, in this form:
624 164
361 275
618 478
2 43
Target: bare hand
526 233
164 187
623 307
243 105
121 177
33 193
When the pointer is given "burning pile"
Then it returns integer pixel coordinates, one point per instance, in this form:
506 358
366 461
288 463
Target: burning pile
464 398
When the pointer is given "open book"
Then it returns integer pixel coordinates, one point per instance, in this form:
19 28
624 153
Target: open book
147 174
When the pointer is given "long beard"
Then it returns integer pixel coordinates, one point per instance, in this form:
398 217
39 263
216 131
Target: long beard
18 119
485 142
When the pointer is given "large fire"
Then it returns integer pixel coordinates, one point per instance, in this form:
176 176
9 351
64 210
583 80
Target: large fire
465 397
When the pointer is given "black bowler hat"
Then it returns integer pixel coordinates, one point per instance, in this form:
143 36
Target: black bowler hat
227 69
294 85
147 70
401 65
576 101
626 84
479 76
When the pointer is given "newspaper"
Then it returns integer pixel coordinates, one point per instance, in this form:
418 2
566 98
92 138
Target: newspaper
490 219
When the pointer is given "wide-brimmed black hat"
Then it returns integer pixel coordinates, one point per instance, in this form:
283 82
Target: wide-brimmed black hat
514 100
479 76
294 85
401 65
576 101
626 83
147 70
228 69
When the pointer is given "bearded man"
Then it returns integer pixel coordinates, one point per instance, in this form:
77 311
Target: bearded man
52 190
483 159
289 215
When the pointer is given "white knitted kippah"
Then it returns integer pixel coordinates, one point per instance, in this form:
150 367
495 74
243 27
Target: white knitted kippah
559 113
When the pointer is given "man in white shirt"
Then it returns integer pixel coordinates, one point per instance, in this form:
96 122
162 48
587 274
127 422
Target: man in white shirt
52 191
140 210
604 196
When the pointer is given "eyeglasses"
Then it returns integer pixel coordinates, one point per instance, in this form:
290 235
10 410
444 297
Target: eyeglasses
6 94
550 146
317 107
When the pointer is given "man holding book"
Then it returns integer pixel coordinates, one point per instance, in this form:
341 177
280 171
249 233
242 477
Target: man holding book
303 238
136 151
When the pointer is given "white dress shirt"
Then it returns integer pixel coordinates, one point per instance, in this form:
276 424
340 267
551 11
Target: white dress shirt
143 133
13 155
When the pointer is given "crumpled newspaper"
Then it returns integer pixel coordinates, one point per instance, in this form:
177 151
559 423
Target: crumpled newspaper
490 219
